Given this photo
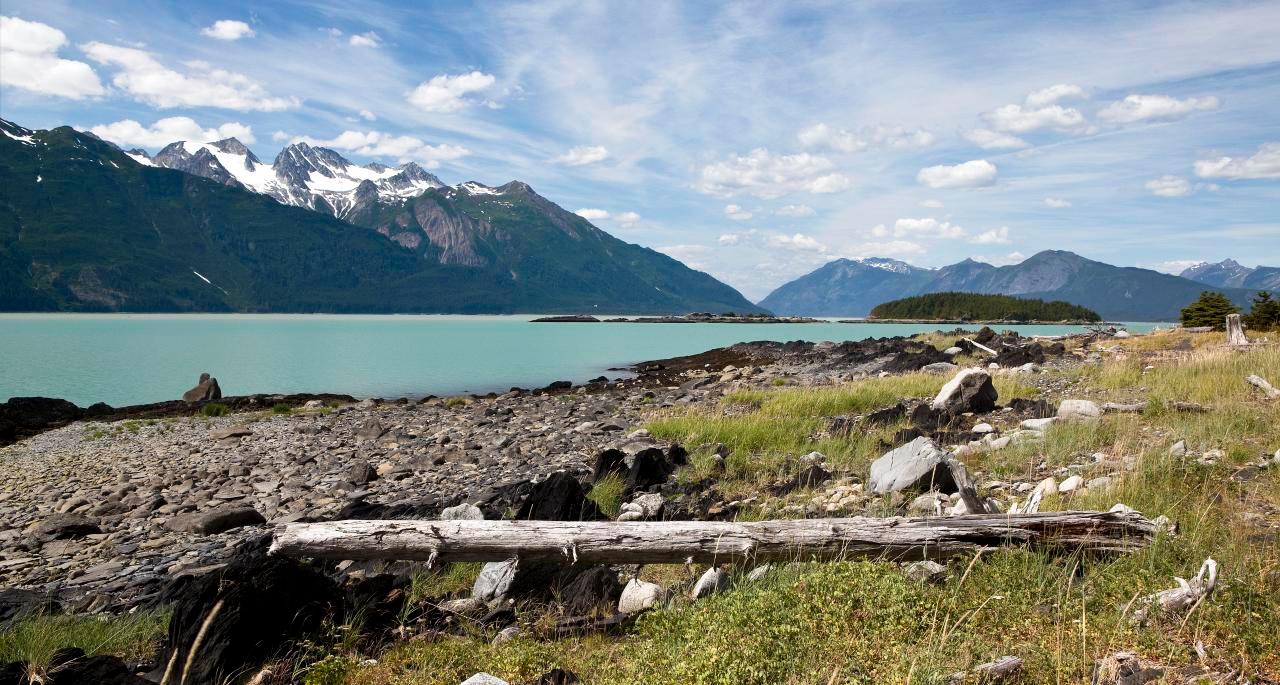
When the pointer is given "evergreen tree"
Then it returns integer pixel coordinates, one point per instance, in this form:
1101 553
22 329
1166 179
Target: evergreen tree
1210 310
1264 314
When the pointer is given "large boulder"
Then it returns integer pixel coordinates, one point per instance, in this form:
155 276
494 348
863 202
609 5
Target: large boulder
1079 410
206 389
229 621
558 498
971 390
24 416
214 521
917 465
63 527
596 588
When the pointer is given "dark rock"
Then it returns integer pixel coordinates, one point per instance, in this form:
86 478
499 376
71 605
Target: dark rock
206 389
1017 356
1036 409
649 467
985 335
214 521
556 676
232 432
886 416
572 318
559 385
906 362
99 670
244 613
361 472
371 429
971 390
63 527
17 604
815 474
607 462
594 590
21 417
558 498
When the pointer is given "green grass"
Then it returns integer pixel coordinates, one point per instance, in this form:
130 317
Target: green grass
213 409
36 639
455 402
607 494
281 408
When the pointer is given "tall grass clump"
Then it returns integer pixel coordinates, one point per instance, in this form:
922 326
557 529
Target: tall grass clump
213 409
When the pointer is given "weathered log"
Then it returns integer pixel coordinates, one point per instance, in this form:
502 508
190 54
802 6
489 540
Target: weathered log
1123 408
982 347
1261 384
1235 331
607 542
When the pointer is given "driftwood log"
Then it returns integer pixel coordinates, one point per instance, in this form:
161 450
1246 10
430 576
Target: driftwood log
595 542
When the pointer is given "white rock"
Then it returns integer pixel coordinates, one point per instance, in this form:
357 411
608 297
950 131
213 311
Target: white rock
1046 487
1000 443
1099 483
494 580
711 582
1038 424
462 512
993 365
1070 484
983 428
1122 334
1029 367
484 679
638 596
759 572
952 351
1079 410
813 458
630 516
1122 508
649 505
1179 449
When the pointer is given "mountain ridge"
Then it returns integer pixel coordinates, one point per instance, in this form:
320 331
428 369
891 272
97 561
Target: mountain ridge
1229 273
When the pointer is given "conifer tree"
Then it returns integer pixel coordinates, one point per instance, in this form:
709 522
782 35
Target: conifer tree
1210 310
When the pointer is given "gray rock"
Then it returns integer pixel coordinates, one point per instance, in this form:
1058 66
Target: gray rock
714 580
63 527
484 679
1038 424
214 521
971 390
206 389
926 571
650 504
1079 410
918 465
940 368
952 351
371 429
495 580
1179 449
462 512
759 572
638 596
232 432
470 606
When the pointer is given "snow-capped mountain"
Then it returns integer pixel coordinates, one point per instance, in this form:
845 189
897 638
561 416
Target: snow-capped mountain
301 175
1231 274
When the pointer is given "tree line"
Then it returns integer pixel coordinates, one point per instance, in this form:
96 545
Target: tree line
1212 308
979 307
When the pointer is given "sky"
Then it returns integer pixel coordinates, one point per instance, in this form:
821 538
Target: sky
754 141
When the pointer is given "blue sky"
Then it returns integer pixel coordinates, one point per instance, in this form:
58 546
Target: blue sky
755 141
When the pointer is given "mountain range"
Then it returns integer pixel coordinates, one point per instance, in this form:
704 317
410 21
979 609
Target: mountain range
86 226
1230 274
848 287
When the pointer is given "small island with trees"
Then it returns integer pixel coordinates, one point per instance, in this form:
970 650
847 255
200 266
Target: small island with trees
952 307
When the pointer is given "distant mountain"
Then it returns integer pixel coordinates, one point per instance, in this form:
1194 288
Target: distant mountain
85 226
304 176
1117 293
1230 274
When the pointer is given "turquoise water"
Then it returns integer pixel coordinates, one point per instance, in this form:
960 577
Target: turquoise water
125 359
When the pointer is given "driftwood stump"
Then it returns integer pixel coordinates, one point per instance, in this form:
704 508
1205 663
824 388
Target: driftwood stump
1235 331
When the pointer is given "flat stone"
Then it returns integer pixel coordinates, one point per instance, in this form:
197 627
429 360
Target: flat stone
1079 410
63 527
214 521
918 464
232 432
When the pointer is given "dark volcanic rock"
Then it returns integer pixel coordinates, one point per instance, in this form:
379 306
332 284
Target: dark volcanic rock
558 498
1017 356
99 670
206 389
556 676
596 588
1036 409
239 616
815 474
608 462
24 416
649 467
17 604
214 521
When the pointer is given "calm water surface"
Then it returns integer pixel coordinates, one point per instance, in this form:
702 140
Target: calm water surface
125 359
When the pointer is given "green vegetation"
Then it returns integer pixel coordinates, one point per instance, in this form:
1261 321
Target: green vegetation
281 408
974 307
213 409
455 402
35 639
1264 314
1210 310
607 494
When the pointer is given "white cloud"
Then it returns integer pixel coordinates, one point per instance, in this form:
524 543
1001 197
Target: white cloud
795 211
29 55
627 219
403 148
729 238
367 115
446 93
142 76
365 40
1002 260
932 204
1057 202
736 213
796 241
583 155
822 135
130 133
972 174
1264 164
996 236
767 175
891 248
1019 119
1047 96
1169 186
592 214
927 227
624 219
281 136
228 29
991 140
1176 266
1154 107
689 254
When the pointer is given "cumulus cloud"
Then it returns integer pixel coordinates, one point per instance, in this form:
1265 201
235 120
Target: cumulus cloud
1047 96
1057 202
145 78
1169 186
1002 260
367 115
445 93
583 155
368 39
795 241
623 219
737 213
1136 108
1019 119
996 236
972 174
29 55
1263 164
991 140
927 227
795 211
403 148
130 133
730 238
228 29
627 219
764 174
823 135
592 214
